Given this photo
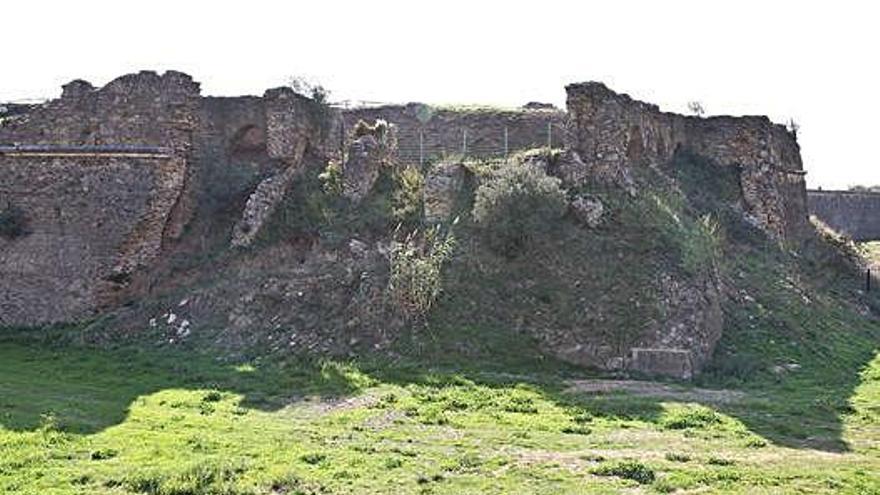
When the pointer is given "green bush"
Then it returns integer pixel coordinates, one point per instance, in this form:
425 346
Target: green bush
631 470
515 204
698 417
378 130
698 240
409 195
12 222
415 280
331 178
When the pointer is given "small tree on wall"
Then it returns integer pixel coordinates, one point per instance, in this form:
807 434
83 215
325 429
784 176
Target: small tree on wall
309 87
696 108
320 96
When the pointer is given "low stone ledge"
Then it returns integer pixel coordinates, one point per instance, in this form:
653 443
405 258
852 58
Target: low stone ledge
675 363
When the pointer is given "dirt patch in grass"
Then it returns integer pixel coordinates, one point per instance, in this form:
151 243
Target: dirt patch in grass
654 390
329 405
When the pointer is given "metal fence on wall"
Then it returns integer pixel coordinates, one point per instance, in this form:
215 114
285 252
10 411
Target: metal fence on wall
462 134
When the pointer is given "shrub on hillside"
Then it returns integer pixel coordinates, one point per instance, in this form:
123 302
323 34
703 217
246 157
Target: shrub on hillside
515 204
415 280
698 240
408 197
379 130
331 178
630 470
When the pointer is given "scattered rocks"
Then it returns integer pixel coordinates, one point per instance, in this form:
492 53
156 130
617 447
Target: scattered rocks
588 210
358 248
782 369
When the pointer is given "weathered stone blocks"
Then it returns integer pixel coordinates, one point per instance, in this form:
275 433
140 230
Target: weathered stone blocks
675 363
613 134
90 222
443 184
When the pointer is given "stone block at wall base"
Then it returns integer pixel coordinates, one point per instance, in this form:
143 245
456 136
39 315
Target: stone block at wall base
675 363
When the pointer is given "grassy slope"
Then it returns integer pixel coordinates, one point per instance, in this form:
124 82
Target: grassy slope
170 421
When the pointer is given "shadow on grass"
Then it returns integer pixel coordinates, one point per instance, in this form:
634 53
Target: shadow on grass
87 390
802 409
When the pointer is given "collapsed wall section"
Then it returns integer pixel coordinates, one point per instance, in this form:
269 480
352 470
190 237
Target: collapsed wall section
612 133
295 126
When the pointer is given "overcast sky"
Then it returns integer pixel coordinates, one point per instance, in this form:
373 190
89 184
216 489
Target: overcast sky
816 62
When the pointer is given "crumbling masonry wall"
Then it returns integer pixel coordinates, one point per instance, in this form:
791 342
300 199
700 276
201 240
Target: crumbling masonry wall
95 211
97 214
88 221
109 177
613 133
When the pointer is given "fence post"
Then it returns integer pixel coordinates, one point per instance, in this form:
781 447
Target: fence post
464 143
505 142
421 149
342 136
868 280
549 136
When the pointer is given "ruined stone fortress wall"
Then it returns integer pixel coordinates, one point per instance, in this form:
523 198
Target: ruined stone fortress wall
426 133
89 218
95 211
121 170
107 178
611 132
855 214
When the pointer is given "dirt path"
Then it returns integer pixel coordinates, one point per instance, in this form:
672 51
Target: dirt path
653 389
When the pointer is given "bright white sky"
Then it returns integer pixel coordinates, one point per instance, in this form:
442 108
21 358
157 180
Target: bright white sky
814 61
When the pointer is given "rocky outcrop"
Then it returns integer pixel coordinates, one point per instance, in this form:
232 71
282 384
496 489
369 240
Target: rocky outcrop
361 169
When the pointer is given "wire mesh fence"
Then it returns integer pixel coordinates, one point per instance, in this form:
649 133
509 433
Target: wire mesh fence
465 134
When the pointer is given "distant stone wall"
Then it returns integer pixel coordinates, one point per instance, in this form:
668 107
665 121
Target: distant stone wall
612 132
433 132
89 221
852 213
